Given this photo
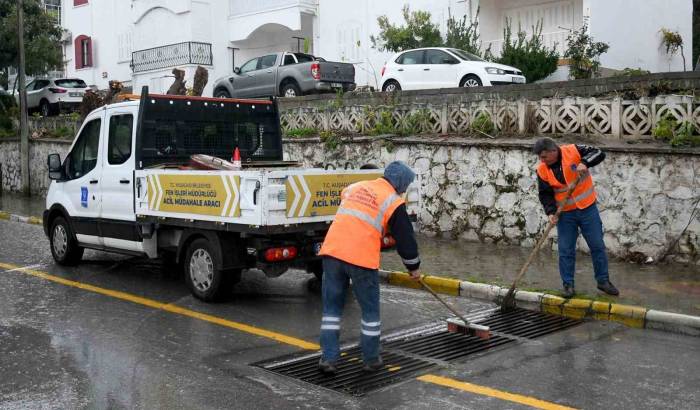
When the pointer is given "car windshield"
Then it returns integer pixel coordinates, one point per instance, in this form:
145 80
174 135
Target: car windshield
71 83
464 55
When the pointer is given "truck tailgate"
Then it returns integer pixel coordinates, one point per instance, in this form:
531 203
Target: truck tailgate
337 72
271 197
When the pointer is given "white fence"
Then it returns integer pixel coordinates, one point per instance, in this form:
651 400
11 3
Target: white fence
611 117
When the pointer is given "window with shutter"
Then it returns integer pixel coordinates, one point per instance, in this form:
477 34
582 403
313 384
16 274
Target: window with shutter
83 51
79 2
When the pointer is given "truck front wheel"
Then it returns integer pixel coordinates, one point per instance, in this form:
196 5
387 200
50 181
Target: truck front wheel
203 273
64 247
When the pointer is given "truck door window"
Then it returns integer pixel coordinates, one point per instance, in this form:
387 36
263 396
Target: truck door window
119 143
268 61
289 59
249 65
83 158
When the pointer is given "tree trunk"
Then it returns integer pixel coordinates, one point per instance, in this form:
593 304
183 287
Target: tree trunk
201 78
178 87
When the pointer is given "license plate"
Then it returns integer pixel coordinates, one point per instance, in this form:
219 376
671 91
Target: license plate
336 85
75 94
518 80
317 248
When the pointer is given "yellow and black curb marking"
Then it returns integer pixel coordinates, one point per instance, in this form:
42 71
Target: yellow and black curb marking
6 216
632 316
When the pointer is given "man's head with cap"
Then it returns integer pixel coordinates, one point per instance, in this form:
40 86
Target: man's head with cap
399 176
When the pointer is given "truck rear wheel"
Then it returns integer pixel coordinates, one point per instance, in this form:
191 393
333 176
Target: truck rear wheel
290 89
203 273
64 247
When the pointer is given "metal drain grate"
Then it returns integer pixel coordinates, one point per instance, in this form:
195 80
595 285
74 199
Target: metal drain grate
351 379
413 351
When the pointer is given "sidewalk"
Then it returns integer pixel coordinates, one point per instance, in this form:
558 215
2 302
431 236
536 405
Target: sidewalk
670 287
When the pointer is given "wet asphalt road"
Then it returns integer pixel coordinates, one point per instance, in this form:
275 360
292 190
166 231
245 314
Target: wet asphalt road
67 347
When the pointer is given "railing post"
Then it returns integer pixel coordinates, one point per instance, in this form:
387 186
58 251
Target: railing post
522 114
189 47
444 118
616 117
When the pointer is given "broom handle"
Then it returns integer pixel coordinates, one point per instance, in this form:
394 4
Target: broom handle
545 235
450 308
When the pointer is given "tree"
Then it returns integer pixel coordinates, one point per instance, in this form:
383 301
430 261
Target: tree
673 42
463 34
583 53
528 54
418 32
41 34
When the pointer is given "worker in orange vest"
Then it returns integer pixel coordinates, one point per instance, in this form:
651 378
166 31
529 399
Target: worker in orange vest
351 251
559 168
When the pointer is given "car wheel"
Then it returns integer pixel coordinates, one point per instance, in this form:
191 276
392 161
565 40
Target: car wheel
203 273
222 93
471 81
64 248
44 108
391 86
290 90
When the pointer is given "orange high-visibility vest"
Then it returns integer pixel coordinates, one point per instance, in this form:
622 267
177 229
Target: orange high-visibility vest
584 194
355 236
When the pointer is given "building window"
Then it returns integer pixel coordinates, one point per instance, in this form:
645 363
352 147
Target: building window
53 9
79 2
83 52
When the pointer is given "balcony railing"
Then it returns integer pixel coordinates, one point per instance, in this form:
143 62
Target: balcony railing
173 55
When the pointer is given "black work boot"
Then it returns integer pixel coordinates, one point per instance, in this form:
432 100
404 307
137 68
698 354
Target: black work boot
374 366
608 288
569 291
327 368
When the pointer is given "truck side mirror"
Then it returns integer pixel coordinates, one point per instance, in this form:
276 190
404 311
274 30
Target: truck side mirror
55 169
237 70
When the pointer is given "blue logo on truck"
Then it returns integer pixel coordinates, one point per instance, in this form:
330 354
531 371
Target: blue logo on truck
83 196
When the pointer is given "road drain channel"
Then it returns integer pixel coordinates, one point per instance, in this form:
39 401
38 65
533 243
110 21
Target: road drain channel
410 352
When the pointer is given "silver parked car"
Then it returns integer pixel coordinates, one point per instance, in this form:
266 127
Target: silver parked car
286 75
50 96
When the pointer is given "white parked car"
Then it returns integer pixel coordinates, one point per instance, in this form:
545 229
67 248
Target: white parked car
49 96
438 67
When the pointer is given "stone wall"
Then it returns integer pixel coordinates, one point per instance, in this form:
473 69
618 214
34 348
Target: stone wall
38 174
486 190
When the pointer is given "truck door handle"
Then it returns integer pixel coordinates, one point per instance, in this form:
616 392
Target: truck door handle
93 181
123 181
400 69
269 71
426 69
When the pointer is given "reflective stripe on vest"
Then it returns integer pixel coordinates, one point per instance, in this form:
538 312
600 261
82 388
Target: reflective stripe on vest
355 235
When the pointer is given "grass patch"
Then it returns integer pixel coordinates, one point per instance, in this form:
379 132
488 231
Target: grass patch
301 132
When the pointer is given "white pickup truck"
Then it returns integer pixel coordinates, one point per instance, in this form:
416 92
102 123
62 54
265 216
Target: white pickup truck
127 186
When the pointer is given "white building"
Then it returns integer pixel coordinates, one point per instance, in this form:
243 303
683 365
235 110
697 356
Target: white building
140 41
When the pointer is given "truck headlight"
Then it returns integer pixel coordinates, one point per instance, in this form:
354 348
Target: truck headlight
494 70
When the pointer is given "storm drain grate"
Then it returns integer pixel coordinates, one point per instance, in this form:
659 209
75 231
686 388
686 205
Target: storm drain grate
414 351
351 379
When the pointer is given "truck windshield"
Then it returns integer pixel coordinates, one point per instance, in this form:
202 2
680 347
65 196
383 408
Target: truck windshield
171 131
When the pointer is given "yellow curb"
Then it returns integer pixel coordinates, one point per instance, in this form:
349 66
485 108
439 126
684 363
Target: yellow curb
576 308
35 221
600 310
438 284
553 304
632 316
4 216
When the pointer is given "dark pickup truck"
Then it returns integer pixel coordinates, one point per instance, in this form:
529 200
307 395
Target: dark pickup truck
286 75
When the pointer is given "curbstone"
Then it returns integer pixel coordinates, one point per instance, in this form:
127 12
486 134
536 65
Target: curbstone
632 316
672 322
600 310
576 308
33 220
4 216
